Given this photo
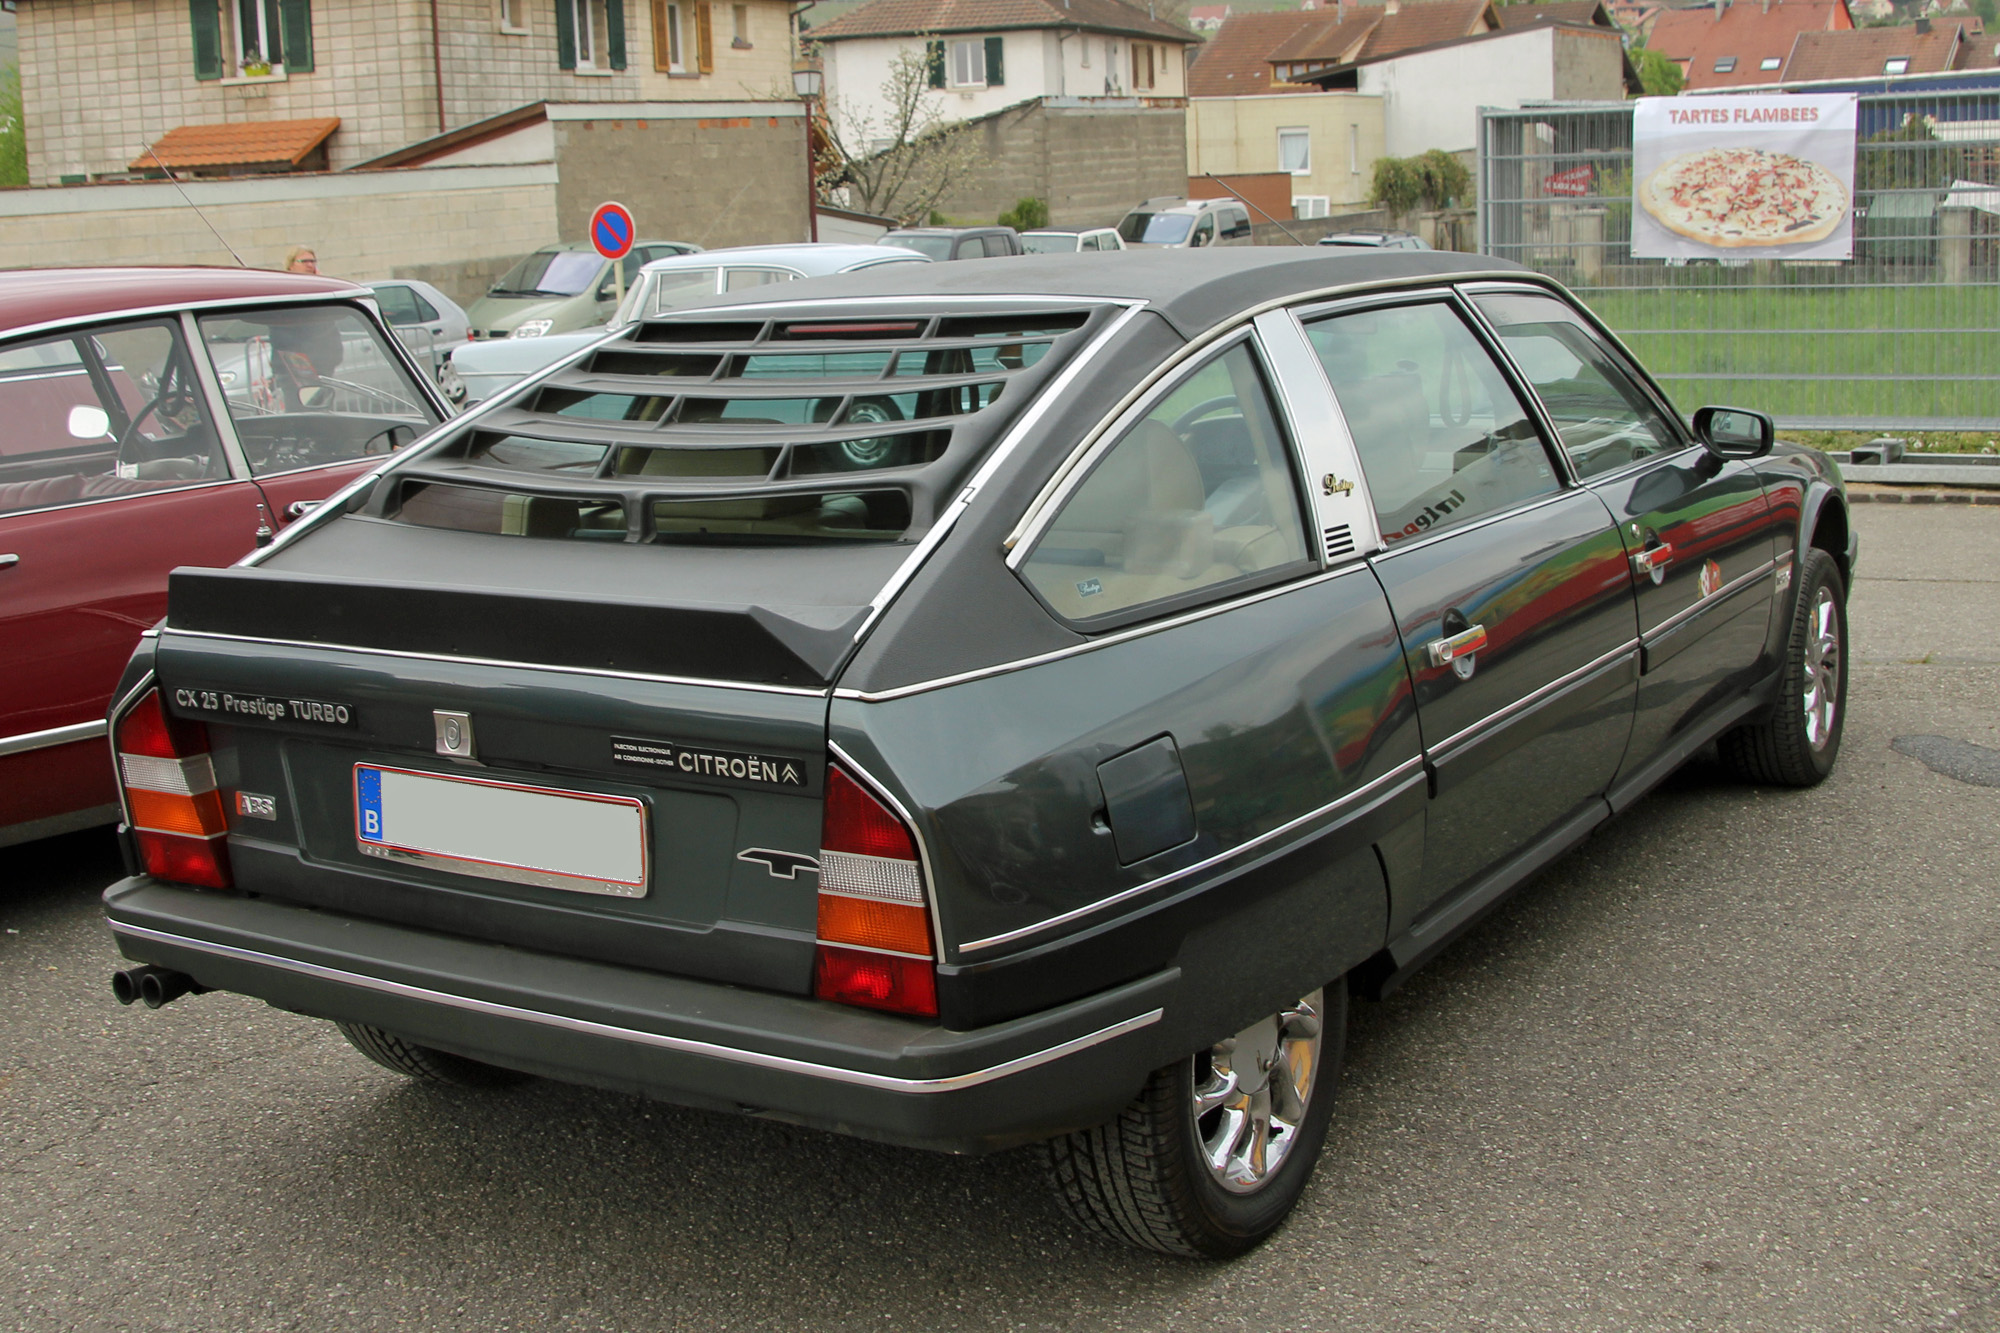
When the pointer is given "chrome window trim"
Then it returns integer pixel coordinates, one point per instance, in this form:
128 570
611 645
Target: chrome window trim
1529 702
1371 793
504 663
876 787
1710 602
1107 640
638 1037
218 408
89 500
28 741
86 323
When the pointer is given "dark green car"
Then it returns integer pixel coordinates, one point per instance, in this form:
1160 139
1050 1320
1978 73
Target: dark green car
975 705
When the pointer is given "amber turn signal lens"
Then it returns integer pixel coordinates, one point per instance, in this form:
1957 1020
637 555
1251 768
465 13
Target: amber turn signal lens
874 925
197 816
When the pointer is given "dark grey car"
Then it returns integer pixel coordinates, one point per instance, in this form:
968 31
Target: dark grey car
976 705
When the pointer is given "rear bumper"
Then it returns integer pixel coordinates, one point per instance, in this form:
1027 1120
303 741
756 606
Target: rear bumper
695 1042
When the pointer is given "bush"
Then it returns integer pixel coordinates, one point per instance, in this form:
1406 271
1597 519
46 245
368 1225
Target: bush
13 131
1658 76
1429 181
1026 215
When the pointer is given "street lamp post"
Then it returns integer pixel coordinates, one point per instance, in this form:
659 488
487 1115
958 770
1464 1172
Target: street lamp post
808 79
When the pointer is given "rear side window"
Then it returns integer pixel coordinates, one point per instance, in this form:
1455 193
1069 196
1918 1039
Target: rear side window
1197 496
311 385
113 412
1442 437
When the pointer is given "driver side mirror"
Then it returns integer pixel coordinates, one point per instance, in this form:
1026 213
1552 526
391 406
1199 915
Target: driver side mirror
88 423
1734 433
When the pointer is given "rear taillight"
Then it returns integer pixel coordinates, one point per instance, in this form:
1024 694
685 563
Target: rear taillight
874 927
170 796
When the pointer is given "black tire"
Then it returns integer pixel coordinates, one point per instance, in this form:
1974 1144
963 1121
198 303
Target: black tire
1142 1178
1796 746
422 1062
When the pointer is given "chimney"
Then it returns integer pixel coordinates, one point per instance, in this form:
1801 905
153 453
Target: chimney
1923 27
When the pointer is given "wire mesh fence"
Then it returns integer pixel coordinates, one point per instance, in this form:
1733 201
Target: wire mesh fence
1905 335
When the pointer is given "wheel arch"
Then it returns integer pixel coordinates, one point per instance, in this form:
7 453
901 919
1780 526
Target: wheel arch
1827 525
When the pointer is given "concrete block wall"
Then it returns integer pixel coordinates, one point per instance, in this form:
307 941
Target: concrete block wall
1089 163
364 226
736 177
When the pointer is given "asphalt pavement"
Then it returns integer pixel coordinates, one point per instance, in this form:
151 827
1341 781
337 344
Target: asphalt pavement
1733 1064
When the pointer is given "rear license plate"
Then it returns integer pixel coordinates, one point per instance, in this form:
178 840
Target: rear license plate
502 830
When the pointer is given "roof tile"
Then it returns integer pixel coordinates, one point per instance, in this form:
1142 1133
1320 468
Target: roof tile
1236 61
241 144
1865 52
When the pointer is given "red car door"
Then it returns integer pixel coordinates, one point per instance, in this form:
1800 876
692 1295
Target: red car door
111 474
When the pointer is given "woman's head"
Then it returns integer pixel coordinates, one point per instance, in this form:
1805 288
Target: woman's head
302 259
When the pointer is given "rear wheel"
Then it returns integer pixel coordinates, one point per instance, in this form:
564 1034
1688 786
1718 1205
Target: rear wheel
422 1062
1797 744
1211 1156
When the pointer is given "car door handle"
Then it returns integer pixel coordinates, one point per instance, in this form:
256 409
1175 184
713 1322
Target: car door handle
1653 558
1463 644
6 560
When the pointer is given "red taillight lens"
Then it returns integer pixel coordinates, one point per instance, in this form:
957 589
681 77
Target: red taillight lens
170 795
874 919
876 981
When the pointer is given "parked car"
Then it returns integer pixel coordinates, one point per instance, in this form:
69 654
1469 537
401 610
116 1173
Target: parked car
1203 640
1180 224
559 288
125 456
480 370
943 243
1377 240
1064 240
431 324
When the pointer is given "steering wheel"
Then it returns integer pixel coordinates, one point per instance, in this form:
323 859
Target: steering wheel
1186 419
131 432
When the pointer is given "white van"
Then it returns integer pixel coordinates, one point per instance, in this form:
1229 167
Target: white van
1176 223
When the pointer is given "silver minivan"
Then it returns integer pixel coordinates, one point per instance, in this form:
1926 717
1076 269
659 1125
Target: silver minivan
559 288
1173 223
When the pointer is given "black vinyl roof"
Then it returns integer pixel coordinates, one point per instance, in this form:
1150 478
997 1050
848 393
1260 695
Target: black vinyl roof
1193 289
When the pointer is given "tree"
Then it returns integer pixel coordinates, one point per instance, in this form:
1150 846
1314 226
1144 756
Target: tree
899 159
13 129
1429 181
1658 76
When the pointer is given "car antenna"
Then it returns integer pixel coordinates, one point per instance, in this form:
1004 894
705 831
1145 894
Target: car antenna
1209 175
154 153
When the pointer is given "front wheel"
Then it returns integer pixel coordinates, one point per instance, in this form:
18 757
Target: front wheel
1213 1153
1798 743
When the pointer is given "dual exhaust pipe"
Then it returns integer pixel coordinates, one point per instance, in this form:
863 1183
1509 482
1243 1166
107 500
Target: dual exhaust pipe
155 985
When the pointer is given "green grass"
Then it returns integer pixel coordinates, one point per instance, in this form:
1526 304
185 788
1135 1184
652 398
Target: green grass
1797 351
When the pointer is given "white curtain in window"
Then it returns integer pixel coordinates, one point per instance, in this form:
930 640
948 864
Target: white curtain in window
1294 151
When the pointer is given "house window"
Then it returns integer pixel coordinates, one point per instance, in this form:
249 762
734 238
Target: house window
968 64
681 38
739 27
1770 62
1896 65
1142 65
1726 65
514 16
1295 152
1354 150
1306 207
1086 53
251 38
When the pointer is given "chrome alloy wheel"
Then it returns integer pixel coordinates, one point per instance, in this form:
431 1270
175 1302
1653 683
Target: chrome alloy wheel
1822 669
1250 1095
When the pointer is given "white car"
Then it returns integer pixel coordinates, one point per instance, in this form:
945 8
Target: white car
431 324
1068 240
478 370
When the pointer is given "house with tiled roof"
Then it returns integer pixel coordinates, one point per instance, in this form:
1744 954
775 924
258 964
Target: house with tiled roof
1207 18
1743 44
248 85
982 56
1929 46
1435 70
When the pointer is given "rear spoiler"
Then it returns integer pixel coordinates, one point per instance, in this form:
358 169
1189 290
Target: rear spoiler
764 645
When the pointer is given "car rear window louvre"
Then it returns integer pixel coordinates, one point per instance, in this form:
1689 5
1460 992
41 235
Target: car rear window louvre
701 429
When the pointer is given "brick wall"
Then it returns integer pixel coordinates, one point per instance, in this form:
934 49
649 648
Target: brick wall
1091 163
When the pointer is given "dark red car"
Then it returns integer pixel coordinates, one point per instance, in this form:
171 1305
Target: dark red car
151 418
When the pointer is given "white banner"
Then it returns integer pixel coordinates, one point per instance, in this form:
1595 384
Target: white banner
1756 176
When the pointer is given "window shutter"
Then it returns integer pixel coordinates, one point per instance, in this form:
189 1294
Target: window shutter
614 34
295 34
934 57
565 34
995 73
704 39
205 23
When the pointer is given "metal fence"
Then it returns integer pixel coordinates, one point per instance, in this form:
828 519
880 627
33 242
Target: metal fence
1905 335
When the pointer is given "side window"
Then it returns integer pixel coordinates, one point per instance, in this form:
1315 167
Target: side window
1441 436
399 304
1198 495
312 385
997 246
684 287
115 412
737 279
1605 420
1204 230
426 312
1236 223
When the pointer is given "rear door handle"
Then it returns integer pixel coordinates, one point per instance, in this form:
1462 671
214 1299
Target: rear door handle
6 560
1463 644
1653 559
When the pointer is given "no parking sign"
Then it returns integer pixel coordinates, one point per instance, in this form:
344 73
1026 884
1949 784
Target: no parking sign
611 230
